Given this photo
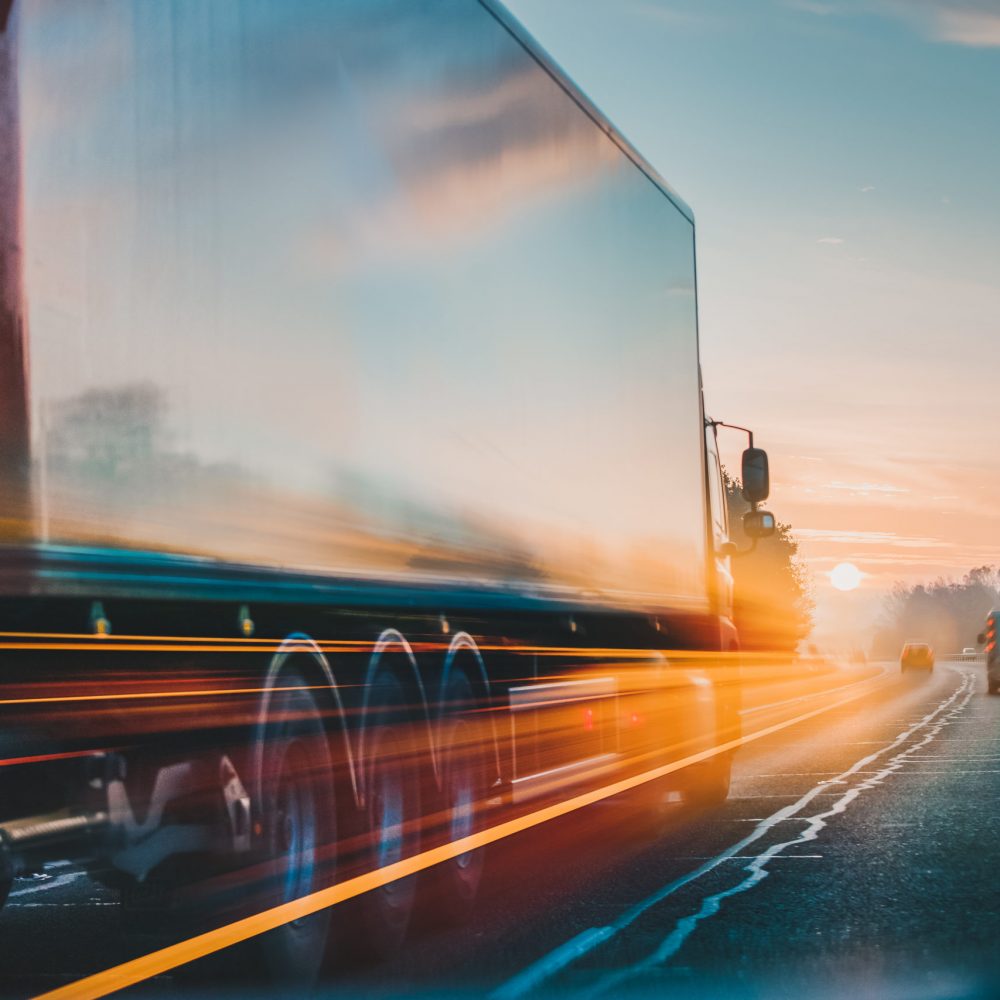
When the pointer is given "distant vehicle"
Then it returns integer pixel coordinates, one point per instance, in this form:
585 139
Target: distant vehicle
968 653
988 639
916 654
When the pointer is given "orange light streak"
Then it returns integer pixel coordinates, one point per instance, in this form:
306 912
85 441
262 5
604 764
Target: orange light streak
42 757
137 695
168 643
129 973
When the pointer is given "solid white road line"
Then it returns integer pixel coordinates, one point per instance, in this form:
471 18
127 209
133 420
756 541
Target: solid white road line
757 870
566 954
814 694
57 882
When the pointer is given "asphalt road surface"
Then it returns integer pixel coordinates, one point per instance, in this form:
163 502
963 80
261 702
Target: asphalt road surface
857 856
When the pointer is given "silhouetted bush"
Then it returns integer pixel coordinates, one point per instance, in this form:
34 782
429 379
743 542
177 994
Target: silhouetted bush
773 606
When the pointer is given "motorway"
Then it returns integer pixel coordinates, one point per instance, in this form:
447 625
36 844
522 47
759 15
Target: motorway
857 855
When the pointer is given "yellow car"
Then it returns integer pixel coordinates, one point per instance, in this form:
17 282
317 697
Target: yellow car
916 654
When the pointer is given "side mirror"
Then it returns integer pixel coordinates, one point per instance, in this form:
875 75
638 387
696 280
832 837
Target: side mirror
758 524
981 638
756 477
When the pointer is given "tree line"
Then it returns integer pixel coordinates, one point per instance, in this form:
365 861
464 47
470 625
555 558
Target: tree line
948 614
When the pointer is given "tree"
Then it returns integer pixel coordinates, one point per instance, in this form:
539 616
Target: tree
773 606
945 613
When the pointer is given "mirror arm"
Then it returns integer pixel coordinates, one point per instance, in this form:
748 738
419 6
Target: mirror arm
732 427
732 550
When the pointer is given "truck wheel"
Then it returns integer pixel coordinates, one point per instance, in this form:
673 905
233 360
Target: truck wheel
298 814
707 783
454 884
296 854
6 877
392 806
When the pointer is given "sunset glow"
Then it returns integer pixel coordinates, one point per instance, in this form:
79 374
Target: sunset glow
846 576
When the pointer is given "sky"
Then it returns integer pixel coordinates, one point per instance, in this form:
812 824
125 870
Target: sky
842 158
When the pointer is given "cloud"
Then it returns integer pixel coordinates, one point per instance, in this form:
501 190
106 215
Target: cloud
831 240
868 188
864 489
972 23
453 161
887 538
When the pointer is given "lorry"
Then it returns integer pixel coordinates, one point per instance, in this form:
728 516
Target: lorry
988 640
357 488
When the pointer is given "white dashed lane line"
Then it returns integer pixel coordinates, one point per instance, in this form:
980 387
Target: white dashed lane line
55 883
550 965
932 723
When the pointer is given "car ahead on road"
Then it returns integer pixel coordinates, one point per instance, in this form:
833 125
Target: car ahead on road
916 654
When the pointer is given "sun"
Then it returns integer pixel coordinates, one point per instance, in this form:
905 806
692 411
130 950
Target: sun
846 576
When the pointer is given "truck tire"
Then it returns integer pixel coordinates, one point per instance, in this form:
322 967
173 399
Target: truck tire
299 819
297 851
392 812
707 783
453 885
6 866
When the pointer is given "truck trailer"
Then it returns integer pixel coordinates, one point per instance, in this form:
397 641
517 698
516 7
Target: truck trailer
358 491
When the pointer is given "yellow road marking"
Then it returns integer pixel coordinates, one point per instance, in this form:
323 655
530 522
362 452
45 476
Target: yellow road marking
136 695
129 973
